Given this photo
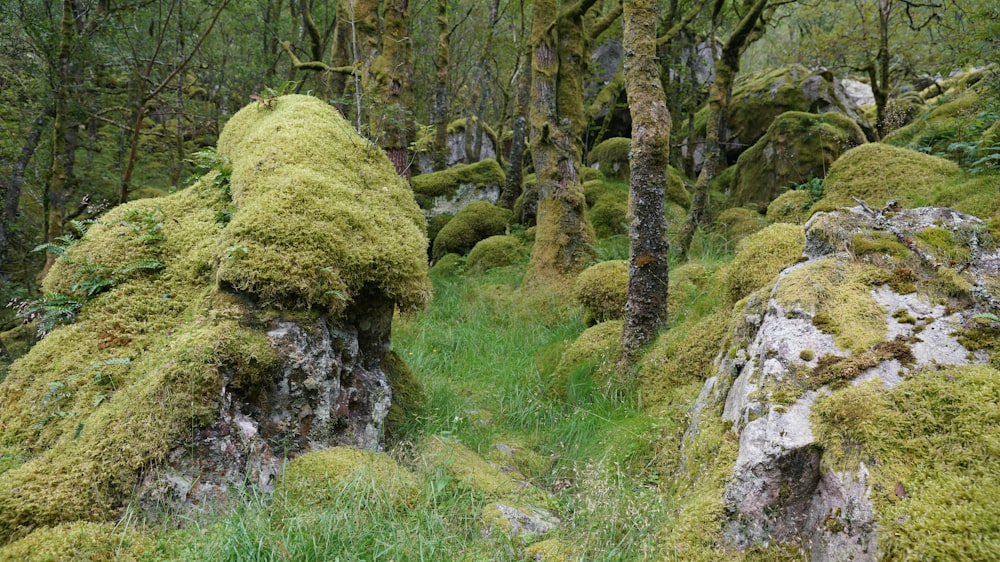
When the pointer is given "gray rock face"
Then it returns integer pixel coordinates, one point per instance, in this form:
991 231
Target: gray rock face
456 152
521 521
330 390
779 489
465 194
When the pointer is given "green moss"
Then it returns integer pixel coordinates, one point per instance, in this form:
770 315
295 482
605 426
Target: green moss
484 173
797 146
791 206
602 290
609 216
807 355
436 223
877 173
904 317
930 445
737 223
477 221
676 192
81 541
588 363
836 371
680 356
408 398
551 550
495 251
591 174
612 157
985 338
468 469
10 457
838 294
878 244
942 244
595 190
315 479
761 256
448 264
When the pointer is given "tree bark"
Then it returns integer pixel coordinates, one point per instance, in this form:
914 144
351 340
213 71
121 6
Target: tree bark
439 107
649 155
12 191
515 163
392 75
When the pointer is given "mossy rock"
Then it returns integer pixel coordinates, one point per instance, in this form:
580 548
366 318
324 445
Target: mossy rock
759 97
877 173
676 192
609 216
552 550
611 155
448 264
682 355
595 190
316 480
737 223
761 256
588 364
436 223
495 251
408 397
591 174
80 541
467 469
796 147
100 402
602 289
455 187
930 444
478 221
791 207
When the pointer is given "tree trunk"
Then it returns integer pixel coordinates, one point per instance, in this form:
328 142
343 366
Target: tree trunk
649 155
563 244
392 75
55 198
515 164
12 191
439 107
747 31
879 72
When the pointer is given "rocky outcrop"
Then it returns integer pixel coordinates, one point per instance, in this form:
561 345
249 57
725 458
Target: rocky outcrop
874 300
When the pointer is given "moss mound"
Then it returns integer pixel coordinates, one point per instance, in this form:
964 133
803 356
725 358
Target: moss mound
609 216
595 190
81 541
408 397
761 256
930 445
477 221
495 251
317 478
99 401
737 223
466 468
484 173
587 365
877 173
448 264
359 230
602 289
436 223
796 147
611 156
680 356
791 207
676 192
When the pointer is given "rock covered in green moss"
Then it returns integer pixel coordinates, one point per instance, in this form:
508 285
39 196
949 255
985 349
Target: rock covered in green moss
791 206
761 256
602 289
736 223
609 216
611 155
495 251
796 147
588 364
759 97
478 221
452 189
317 479
218 329
81 541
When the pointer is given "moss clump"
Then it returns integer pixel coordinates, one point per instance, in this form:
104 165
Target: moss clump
676 192
309 227
737 223
943 245
315 479
982 338
791 206
477 221
587 365
761 256
879 244
602 289
436 223
680 356
551 550
612 157
930 445
609 217
495 251
448 264
877 173
807 355
837 371
838 295
796 147
485 173
590 174
468 469
81 541
408 397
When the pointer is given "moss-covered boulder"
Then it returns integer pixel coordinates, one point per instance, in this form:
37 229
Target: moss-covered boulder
318 479
451 190
588 364
495 251
602 289
791 206
609 216
80 541
611 157
457 142
478 221
796 147
761 256
216 330
759 97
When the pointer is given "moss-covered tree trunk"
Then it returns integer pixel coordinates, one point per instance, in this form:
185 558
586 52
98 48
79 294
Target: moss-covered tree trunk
12 189
439 107
563 243
391 119
515 163
878 71
649 155
55 198
747 30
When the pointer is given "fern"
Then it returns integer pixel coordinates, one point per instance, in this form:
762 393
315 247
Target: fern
50 311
